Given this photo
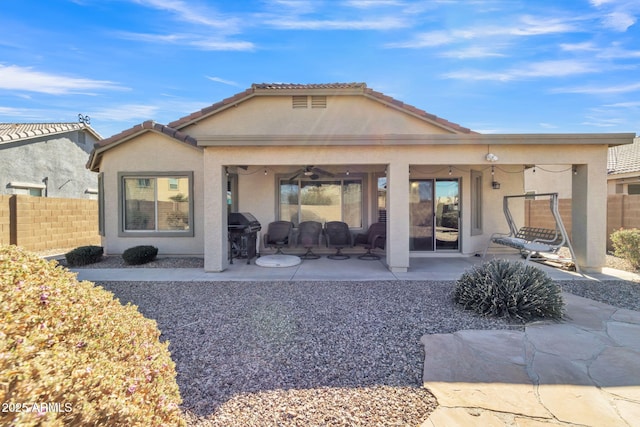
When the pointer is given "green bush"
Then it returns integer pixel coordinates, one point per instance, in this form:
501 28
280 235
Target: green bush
75 355
139 255
503 288
84 255
626 244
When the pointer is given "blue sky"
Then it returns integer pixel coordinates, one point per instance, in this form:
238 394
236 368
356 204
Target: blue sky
495 66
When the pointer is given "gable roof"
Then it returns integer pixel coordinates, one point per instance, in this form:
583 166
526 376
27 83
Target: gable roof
119 138
11 132
261 89
624 158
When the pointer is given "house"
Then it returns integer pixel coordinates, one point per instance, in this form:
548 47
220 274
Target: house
624 169
47 159
334 152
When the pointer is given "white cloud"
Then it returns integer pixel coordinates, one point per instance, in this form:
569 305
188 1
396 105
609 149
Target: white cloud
223 81
619 21
472 52
325 25
541 69
367 4
527 25
192 13
126 112
16 78
600 90
193 40
618 15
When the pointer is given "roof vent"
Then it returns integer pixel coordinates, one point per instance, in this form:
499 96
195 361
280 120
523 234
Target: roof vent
318 102
299 101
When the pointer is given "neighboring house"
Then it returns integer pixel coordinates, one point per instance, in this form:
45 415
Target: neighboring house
47 159
624 169
334 152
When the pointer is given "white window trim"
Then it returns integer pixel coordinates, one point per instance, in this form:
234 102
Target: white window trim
26 185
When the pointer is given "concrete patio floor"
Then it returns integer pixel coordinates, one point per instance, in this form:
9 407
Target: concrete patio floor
441 268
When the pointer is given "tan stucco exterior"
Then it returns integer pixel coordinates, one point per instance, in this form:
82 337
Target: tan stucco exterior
262 138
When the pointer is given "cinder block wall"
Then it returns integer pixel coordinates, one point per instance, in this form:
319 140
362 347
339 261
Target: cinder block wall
41 224
623 211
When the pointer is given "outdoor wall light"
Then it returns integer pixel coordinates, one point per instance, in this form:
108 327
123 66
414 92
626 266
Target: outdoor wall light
495 185
490 157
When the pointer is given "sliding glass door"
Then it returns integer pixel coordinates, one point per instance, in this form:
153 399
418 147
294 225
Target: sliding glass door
434 214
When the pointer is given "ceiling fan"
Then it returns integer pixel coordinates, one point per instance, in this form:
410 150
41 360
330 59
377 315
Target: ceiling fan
310 172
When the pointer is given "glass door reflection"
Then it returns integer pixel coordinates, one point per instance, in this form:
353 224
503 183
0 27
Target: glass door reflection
421 215
447 203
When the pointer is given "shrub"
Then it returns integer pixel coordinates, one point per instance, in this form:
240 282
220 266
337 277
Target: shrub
84 255
626 244
139 255
503 288
75 355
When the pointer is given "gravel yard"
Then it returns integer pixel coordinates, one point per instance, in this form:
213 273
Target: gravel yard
301 353
311 353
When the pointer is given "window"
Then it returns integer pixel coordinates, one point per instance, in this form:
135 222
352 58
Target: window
31 189
633 189
101 229
321 200
157 204
476 203
174 184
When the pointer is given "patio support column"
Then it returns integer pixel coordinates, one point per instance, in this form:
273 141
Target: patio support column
215 214
589 215
398 216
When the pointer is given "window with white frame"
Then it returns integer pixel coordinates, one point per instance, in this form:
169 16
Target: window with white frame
321 200
158 203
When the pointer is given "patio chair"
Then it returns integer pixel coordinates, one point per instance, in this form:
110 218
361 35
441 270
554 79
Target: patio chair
309 236
278 235
338 236
375 237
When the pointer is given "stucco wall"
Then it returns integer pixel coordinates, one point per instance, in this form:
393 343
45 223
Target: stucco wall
549 178
344 115
152 152
59 158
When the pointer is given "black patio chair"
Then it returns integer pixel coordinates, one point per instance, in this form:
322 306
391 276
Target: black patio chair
338 236
278 235
375 237
309 236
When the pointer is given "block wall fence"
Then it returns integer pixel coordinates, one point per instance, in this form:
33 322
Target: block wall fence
44 224
623 211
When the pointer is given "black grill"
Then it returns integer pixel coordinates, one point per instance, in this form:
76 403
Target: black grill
242 230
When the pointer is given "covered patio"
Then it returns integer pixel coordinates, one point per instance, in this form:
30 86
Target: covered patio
481 168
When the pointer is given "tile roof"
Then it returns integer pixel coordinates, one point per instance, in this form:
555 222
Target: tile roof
624 158
148 125
308 86
361 87
10 132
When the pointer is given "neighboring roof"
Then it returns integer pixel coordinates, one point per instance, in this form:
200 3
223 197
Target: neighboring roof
320 89
148 126
624 158
11 132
